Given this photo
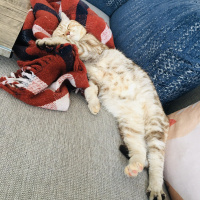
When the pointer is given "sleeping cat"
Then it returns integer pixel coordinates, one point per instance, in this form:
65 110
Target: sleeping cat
127 92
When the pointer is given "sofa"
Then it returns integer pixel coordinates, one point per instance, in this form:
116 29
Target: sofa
75 155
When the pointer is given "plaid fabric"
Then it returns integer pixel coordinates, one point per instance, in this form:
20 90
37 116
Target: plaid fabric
37 82
46 75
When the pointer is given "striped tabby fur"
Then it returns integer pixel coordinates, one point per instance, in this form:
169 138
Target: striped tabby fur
128 93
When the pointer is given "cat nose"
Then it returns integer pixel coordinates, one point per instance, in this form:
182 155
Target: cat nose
67 32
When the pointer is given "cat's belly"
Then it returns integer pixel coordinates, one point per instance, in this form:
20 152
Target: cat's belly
120 104
120 90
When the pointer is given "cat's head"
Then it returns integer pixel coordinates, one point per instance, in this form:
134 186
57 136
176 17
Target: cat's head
69 29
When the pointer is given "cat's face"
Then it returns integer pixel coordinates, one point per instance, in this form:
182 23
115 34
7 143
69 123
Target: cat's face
69 29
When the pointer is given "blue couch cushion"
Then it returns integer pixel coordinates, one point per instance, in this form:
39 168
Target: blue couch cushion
163 37
107 6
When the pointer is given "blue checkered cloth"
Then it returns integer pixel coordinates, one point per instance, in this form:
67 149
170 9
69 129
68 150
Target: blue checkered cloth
163 37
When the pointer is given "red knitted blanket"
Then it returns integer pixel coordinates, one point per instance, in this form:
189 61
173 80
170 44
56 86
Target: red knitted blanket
47 75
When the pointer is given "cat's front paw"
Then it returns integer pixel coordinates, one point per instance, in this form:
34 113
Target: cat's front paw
156 193
45 42
40 42
133 169
94 107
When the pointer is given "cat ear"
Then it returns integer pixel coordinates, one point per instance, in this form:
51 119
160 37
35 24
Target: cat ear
63 16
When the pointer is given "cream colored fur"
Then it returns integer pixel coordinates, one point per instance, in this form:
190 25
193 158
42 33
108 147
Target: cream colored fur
127 92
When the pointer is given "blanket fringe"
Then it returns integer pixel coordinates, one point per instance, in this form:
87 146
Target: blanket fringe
20 82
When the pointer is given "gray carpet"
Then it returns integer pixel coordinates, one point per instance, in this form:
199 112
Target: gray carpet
56 155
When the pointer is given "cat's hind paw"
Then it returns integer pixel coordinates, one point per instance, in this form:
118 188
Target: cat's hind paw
133 169
155 194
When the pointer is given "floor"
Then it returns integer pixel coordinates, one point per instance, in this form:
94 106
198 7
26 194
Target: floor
12 16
